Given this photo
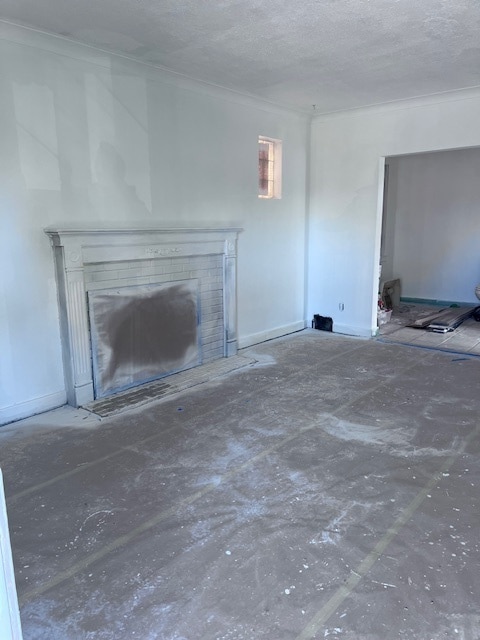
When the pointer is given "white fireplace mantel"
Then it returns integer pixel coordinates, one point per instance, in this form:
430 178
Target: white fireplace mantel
75 249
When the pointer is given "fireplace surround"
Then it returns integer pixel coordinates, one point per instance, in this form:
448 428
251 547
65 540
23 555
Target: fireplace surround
98 262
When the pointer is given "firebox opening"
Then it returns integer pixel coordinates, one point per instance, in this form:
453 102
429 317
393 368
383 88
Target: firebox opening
142 333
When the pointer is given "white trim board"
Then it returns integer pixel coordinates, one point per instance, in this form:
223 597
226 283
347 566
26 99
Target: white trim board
263 336
31 407
348 330
10 627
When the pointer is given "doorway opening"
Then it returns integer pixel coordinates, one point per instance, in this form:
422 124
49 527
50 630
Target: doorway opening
428 240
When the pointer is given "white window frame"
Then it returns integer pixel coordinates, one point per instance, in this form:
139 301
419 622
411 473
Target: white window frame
274 172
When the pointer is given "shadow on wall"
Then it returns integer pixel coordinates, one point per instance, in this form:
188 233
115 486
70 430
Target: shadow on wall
111 193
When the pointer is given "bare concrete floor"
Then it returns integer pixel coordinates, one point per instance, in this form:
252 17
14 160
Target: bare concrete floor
328 491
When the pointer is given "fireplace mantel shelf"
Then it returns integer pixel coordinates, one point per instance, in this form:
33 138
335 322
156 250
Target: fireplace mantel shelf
88 231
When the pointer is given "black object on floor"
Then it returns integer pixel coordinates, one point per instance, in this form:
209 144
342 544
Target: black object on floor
323 323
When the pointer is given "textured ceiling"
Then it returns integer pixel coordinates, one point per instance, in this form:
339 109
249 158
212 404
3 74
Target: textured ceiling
336 54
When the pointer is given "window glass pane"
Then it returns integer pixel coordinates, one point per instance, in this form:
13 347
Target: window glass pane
263 169
269 174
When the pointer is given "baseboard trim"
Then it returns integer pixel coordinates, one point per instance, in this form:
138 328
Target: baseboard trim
277 332
349 330
32 407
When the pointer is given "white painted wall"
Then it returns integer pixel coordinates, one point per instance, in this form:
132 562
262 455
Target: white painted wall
433 212
344 225
91 138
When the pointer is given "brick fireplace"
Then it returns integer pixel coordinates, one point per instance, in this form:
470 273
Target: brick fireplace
99 270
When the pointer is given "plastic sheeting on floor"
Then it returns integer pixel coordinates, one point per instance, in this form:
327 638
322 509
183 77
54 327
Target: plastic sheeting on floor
331 490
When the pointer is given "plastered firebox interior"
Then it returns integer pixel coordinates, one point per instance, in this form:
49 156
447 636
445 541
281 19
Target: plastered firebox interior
141 333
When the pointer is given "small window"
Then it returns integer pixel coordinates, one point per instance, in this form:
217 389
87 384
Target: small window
269 168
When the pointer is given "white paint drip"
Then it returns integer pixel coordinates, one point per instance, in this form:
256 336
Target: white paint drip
92 515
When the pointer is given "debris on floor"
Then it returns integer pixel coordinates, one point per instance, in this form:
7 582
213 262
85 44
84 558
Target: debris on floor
390 293
384 312
408 318
384 316
443 320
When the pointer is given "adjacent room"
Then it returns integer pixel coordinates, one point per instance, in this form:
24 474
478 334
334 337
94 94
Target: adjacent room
427 258
185 188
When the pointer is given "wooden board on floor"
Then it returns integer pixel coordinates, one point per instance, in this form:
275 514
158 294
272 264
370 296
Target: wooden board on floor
450 321
443 320
423 321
